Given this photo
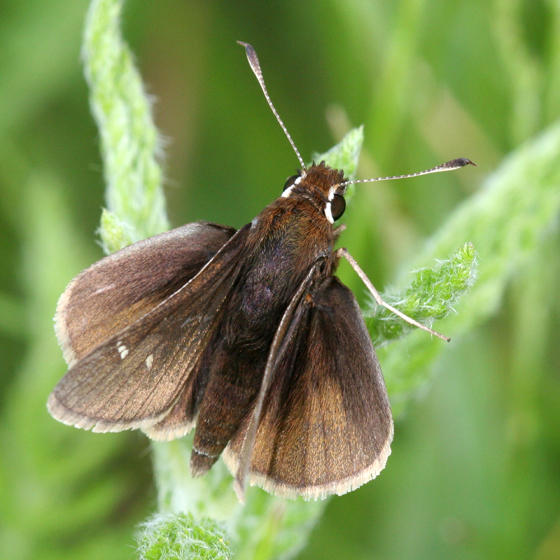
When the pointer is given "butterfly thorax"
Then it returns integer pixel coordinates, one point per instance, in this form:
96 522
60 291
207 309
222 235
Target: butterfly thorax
285 240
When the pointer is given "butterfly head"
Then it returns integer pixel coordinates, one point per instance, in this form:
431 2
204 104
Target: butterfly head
322 184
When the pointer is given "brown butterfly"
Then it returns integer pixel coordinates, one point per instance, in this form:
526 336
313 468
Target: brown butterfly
246 336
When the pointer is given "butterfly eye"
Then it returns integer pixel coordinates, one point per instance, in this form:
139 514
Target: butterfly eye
338 205
289 182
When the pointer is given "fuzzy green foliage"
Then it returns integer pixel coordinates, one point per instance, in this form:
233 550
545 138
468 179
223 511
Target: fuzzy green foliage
174 537
265 527
345 155
431 295
129 139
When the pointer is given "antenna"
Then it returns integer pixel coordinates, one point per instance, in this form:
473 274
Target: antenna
256 68
447 166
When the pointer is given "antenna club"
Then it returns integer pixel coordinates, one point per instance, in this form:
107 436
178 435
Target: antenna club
459 162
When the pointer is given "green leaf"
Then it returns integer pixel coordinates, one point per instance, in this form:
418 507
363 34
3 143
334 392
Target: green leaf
432 295
180 536
345 156
129 138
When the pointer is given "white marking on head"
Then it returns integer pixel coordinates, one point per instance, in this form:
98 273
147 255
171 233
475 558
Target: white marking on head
122 350
288 191
149 361
328 209
254 222
328 213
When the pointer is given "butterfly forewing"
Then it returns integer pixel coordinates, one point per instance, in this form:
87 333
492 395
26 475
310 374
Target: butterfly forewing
118 290
326 425
133 379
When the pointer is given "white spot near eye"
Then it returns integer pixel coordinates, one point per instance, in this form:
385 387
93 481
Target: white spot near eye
288 192
328 213
149 361
332 192
122 350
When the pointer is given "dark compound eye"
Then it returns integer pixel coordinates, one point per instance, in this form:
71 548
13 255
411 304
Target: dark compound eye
338 205
289 182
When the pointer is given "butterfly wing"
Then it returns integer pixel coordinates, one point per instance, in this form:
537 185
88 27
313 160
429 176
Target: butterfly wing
326 424
119 289
136 376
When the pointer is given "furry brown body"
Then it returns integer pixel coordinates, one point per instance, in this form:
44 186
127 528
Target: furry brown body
246 335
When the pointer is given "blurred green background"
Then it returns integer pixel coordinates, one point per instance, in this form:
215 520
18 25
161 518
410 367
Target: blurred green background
475 469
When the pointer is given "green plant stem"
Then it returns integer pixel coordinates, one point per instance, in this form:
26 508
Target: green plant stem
129 138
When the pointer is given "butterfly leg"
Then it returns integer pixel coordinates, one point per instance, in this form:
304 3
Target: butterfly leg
337 231
342 252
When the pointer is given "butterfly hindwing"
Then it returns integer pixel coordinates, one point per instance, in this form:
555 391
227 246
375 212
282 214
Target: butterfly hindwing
134 378
326 424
